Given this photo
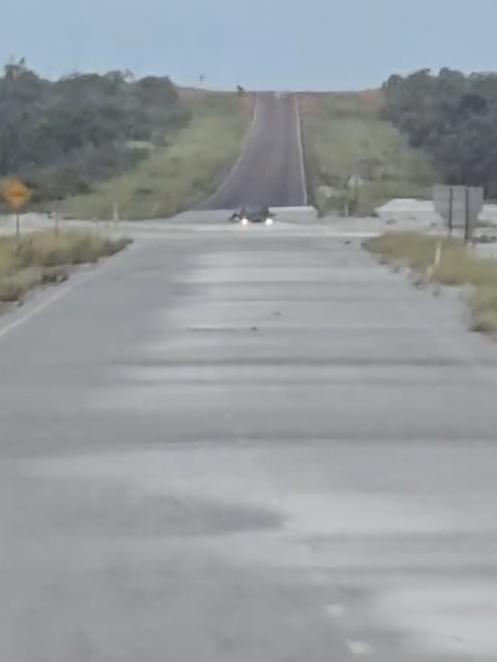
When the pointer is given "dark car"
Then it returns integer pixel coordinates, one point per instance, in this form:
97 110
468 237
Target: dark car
253 214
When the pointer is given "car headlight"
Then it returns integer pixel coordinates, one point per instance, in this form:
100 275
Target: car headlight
269 221
244 221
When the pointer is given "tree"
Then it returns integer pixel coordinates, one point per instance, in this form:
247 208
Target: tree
61 136
453 117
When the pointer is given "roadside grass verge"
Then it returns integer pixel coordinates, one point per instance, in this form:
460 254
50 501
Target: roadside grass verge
345 136
43 258
181 174
458 266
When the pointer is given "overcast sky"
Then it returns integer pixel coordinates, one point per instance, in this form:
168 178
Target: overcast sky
272 44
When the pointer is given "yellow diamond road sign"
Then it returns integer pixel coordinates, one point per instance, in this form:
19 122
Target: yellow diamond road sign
16 194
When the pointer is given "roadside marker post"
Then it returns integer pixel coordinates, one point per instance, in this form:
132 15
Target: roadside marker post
451 211
438 253
115 216
430 270
467 223
56 223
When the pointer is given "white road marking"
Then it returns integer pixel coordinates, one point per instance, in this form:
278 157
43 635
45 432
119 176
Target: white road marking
32 312
59 293
359 647
301 151
243 154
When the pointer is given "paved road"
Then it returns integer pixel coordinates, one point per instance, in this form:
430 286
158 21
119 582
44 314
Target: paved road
271 170
246 446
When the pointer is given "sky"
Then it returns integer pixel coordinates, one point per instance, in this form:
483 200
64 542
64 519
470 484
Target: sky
260 44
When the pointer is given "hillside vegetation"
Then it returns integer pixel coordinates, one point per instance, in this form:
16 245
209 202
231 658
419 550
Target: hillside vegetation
346 137
89 142
179 175
61 137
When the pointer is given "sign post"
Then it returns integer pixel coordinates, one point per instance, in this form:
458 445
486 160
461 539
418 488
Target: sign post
460 207
17 195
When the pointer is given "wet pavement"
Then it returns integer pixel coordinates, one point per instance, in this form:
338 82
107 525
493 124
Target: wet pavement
246 446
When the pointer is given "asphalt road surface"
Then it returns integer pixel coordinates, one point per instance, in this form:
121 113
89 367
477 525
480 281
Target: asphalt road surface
246 446
271 169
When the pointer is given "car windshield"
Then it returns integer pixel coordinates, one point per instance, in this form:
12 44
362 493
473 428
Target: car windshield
253 211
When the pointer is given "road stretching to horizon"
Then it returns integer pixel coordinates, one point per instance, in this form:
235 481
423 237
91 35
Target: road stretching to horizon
246 445
271 169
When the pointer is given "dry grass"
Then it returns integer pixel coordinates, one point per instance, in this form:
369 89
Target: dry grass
345 135
459 266
179 175
46 257
414 250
